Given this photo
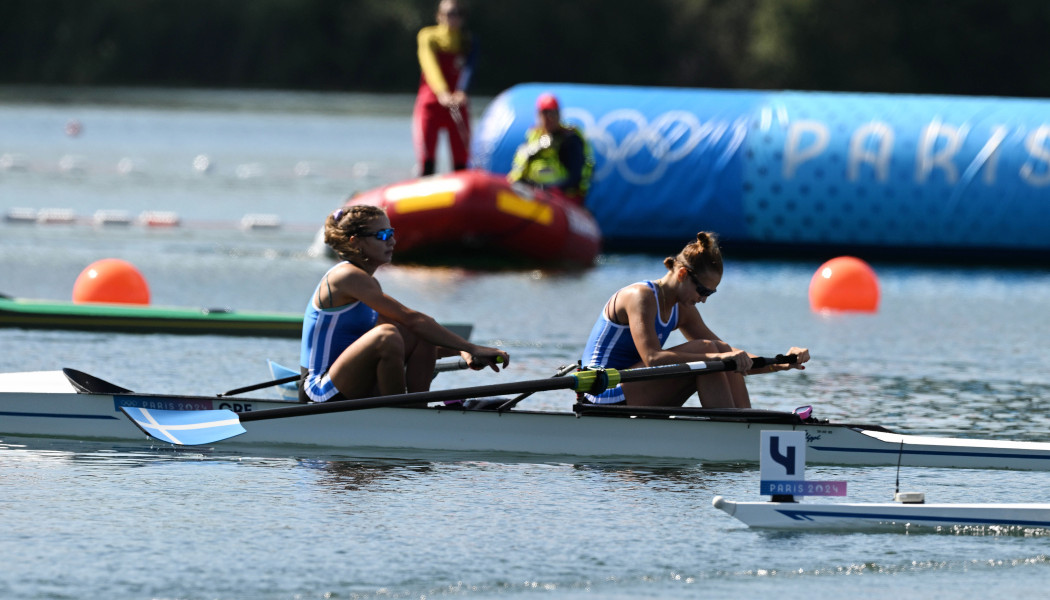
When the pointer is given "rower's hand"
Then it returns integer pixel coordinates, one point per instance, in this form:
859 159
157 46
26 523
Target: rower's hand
741 358
486 357
802 356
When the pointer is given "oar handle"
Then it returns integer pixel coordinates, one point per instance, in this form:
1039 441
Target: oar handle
761 361
456 363
452 363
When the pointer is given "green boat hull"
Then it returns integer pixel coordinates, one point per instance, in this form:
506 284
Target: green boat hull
132 318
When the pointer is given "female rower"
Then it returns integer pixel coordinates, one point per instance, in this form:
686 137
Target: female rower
360 342
636 322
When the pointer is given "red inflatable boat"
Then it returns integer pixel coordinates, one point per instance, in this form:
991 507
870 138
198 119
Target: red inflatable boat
478 218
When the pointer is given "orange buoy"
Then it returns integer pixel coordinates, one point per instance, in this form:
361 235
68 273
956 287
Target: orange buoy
844 283
111 280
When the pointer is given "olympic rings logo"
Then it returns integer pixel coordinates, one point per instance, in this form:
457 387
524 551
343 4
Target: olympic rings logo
671 137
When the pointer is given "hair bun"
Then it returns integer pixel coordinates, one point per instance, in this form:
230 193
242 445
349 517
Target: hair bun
707 239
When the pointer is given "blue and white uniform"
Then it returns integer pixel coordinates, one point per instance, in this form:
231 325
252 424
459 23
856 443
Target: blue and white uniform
611 345
326 333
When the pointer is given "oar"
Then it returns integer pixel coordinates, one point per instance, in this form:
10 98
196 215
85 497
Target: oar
509 404
196 427
757 363
460 125
452 363
259 386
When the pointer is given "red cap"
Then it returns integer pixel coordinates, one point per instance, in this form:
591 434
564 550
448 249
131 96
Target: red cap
546 101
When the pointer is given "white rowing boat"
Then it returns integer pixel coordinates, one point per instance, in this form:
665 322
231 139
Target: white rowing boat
800 515
47 404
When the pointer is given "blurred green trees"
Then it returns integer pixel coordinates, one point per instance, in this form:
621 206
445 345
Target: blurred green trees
917 46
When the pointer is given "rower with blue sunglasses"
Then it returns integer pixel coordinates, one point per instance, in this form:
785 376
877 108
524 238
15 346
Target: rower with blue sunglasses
360 342
637 320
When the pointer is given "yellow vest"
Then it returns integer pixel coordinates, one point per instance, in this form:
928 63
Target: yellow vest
537 160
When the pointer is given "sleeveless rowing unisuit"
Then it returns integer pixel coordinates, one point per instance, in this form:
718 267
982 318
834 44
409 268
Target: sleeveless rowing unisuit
326 333
611 345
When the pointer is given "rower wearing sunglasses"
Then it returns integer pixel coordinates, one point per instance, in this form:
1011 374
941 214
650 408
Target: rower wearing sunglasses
358 341
637 320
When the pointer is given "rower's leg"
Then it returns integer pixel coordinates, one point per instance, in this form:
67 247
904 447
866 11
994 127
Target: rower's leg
419 358
374 360
658 392
419 365
738 389
715 390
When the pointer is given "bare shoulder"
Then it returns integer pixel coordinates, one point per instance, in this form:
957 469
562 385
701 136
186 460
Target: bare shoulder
350 283
344 272
638 292
636 298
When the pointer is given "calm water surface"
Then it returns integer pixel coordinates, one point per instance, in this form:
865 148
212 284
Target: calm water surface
951 351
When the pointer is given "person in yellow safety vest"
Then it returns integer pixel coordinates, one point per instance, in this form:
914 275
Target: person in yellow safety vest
554 155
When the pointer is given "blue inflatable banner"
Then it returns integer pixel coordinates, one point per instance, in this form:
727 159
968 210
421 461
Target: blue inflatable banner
800 169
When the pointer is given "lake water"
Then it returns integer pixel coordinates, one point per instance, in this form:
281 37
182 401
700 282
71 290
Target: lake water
952 351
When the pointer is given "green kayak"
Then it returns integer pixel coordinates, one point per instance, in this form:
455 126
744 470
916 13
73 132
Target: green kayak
133 318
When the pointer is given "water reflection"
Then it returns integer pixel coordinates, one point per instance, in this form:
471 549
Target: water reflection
104 455
366 475
695 483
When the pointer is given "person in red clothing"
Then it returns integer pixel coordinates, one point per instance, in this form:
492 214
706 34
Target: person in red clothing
447 53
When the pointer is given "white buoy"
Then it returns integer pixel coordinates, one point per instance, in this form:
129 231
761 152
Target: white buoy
21 215
72 164
14 162
56 216
260 222
249 171
303 169
202 163
108 218
129 166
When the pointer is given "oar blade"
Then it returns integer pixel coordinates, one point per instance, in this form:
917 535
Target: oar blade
185 427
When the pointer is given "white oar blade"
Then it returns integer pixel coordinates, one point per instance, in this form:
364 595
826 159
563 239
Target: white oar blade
185 427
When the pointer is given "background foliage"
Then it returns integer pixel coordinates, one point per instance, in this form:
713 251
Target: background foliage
919 46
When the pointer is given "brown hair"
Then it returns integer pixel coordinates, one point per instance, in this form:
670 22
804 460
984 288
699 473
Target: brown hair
347 222
702 256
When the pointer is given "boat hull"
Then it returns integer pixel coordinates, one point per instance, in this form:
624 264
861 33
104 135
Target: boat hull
130 318
44 404
476 217
795 515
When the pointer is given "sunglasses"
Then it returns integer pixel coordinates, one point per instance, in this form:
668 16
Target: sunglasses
381 235
703 291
